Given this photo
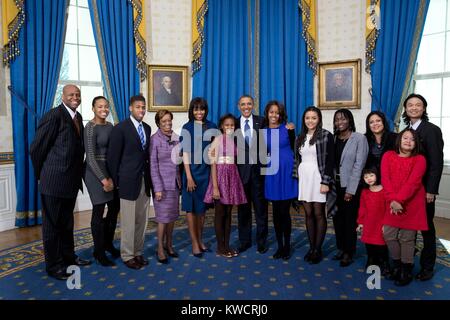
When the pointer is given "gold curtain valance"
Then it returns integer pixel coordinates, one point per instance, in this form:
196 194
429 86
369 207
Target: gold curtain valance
13 18
139 37
372 30
308 10
199 9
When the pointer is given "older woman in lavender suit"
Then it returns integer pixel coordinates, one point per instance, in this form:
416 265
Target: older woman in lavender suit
164 170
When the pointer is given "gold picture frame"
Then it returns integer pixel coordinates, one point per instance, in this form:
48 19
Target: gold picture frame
168 88
340 84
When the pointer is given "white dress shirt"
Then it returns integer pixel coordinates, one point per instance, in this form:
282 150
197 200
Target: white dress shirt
415 125
72 113
250 123
136 125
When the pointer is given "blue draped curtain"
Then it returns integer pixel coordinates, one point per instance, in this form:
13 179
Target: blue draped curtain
225 72
402 23
34 78
284 75
112 22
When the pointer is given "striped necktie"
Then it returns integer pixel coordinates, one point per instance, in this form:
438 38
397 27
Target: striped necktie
247 132
141 135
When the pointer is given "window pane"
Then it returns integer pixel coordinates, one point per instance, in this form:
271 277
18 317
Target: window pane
71 32
83 3
435 21
89 66
86 35
69 66
448 16
431 90
73 2
446 133
431 54
58 94
446 99
88 93
447 52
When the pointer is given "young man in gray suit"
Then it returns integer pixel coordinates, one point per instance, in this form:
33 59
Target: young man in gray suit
57 154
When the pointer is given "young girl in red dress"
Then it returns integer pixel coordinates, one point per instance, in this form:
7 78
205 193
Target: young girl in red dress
370 220
402 172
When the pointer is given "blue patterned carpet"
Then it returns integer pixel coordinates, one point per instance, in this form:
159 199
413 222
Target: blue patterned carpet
247 277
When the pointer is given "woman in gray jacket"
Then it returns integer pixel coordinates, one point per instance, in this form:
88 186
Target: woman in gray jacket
351 151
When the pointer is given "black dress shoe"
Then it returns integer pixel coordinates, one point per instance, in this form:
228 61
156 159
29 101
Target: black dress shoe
278 254
425 275
339 255
103 260
405 275
262 249
80 262
60 274
141 260
346 260
115 253
244 247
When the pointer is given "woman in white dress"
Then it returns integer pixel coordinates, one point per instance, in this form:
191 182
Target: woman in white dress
314 155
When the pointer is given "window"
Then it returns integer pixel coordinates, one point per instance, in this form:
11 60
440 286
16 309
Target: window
432 73
80 65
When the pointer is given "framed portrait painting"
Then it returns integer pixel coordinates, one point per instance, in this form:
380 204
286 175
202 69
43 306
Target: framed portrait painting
168 88
340 84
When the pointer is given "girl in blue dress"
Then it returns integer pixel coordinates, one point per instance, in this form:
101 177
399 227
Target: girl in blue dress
196 138
280 187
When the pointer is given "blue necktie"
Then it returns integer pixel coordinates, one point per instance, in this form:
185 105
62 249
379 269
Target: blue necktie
141 135
247 132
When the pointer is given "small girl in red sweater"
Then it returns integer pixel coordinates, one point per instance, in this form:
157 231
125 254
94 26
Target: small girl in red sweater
402 172
370 221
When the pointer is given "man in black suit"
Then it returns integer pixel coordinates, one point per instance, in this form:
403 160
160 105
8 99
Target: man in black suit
430 135
57 154
128 163
249 166
167 95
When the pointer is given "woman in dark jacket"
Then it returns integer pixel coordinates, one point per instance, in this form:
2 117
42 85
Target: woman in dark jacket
379 138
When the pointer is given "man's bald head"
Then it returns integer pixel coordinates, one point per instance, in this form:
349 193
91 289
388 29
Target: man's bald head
71 96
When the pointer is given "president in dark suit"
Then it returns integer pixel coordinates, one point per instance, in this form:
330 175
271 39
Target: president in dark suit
432 145
57 154
249 166
128 162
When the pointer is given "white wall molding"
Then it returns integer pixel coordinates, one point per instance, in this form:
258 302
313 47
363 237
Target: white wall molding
8 198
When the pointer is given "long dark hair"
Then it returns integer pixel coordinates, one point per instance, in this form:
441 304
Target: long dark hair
369 134
405 117
304 130
281 110
347 115
198 103
417 146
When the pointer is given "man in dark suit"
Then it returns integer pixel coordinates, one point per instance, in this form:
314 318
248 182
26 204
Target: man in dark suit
57 154
430 135
167 95
128 162
249 166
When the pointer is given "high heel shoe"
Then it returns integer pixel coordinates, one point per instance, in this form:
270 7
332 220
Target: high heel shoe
316 257
163 261
197 255
172 253
307 256
278 254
